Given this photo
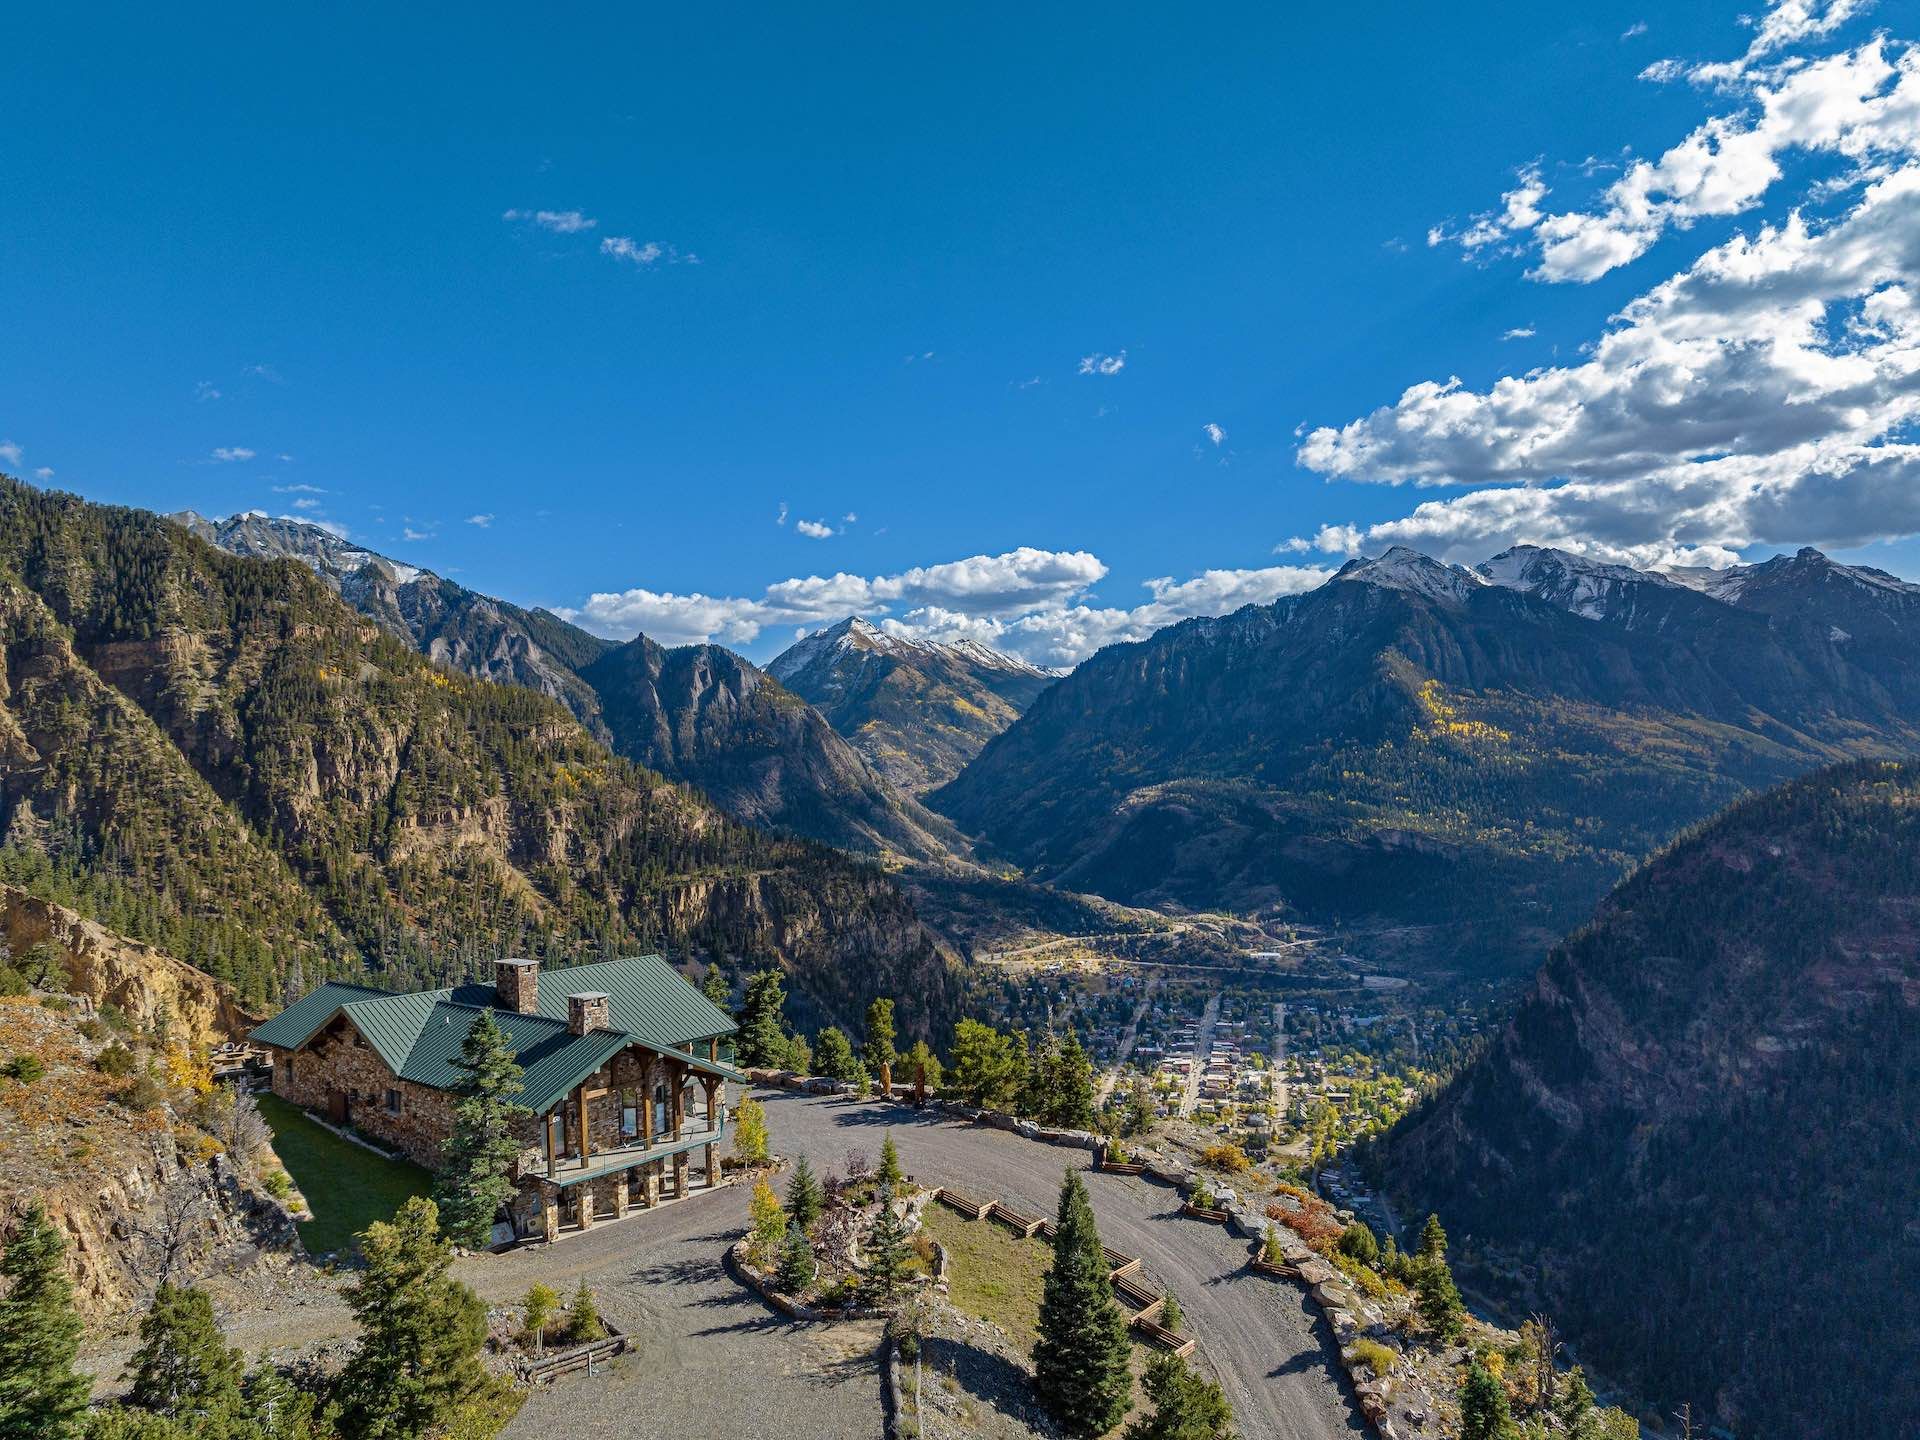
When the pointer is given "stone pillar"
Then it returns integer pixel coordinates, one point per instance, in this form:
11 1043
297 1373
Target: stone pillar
620 1196
680 1176
550 1214
653 1183
713 1165
583 1203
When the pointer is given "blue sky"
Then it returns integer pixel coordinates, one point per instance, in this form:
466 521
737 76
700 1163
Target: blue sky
966 288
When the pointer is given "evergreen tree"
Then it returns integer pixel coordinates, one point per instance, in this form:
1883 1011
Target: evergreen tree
1080 1359
887 1249
750 1133
41 1397
583 1317
476 1180
1483 1407
1037 1064
878 1051
184 1369
1171 1314
1070 1086
985 1069
890 1173
804 1199
714 986
1437 1298
762 1040
796 1270
418 1362
1433 1240
276 1410
1186 1406
923 1069
1357 1242
833 1055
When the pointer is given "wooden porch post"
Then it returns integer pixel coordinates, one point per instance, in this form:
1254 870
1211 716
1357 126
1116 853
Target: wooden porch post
546 1123
646 1101
586 1134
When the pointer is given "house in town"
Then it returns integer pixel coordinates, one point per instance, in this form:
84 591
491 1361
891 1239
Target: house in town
624 1066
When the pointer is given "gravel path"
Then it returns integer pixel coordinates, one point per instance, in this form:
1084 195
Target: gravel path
1260 1337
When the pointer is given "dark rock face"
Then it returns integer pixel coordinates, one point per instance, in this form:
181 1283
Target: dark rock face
1697 1138
1416 745
704 715
916 709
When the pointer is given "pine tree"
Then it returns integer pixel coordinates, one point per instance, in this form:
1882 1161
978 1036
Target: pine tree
924 1068
714 986
41 1398
1070 1086
1186 1406
985 1071
583 1317
184 1369
796 1270
878 1051
804 1199
762 1040
1171 1315
887 1249
1080 1359
418 1361
750 1133
1437 1298
476 1180
1433 1240
890 1173
833 1055
1483 1407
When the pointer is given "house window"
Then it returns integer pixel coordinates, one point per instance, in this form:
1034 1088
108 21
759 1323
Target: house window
629 1117
286 1069
393 1101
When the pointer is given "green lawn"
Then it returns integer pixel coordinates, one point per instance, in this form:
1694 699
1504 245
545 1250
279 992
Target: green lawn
346 1187
992 1272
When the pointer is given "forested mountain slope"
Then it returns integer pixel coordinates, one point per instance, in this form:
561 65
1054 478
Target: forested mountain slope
697 713
1697 1141
1463 758
216 755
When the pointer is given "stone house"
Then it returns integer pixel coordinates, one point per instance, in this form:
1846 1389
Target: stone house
624 1067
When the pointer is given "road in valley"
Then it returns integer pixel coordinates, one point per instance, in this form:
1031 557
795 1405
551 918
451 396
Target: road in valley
1261 1338
1127 1038
1279 1085
1202 1053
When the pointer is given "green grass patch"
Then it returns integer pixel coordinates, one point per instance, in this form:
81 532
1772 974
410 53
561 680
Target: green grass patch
992 1272
346 1187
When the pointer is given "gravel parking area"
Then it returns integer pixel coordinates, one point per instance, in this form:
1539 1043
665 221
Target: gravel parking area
1260 1337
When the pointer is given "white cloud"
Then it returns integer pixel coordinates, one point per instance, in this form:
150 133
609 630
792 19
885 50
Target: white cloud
45 472
849 518
227 454
10 453
483 521
781 518
306 502
1032 602
206 390
1214 433
645 253
813 529
1860 105
1519 332
1634 31
332 527
1766 394
560 222
297 489
1099 364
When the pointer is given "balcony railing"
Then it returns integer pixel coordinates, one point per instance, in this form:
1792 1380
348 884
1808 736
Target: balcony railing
533 1159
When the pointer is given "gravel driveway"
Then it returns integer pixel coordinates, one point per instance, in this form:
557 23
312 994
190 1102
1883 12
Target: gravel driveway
1260 1337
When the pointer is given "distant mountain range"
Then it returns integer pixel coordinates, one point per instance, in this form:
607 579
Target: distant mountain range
697 713
1695 1143
918 710
1459 761
214 754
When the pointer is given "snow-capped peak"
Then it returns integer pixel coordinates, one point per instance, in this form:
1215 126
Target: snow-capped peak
1401 568
859 637
1585 586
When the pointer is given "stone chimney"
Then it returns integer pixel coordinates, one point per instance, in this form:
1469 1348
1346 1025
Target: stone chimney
587 1011
516 986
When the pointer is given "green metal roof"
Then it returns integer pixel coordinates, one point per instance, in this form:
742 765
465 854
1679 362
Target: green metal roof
420 1035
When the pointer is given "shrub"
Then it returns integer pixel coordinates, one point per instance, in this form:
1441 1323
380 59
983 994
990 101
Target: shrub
145 1093
93 1029
116 1060
583 1317
1375 1356
1358 1243
279 1184
1202 1197
540 1307
24 1068
1230 1159
1274 1247
1117 1153
1170 1313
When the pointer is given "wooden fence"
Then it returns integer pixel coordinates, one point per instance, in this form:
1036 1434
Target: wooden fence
581 1357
